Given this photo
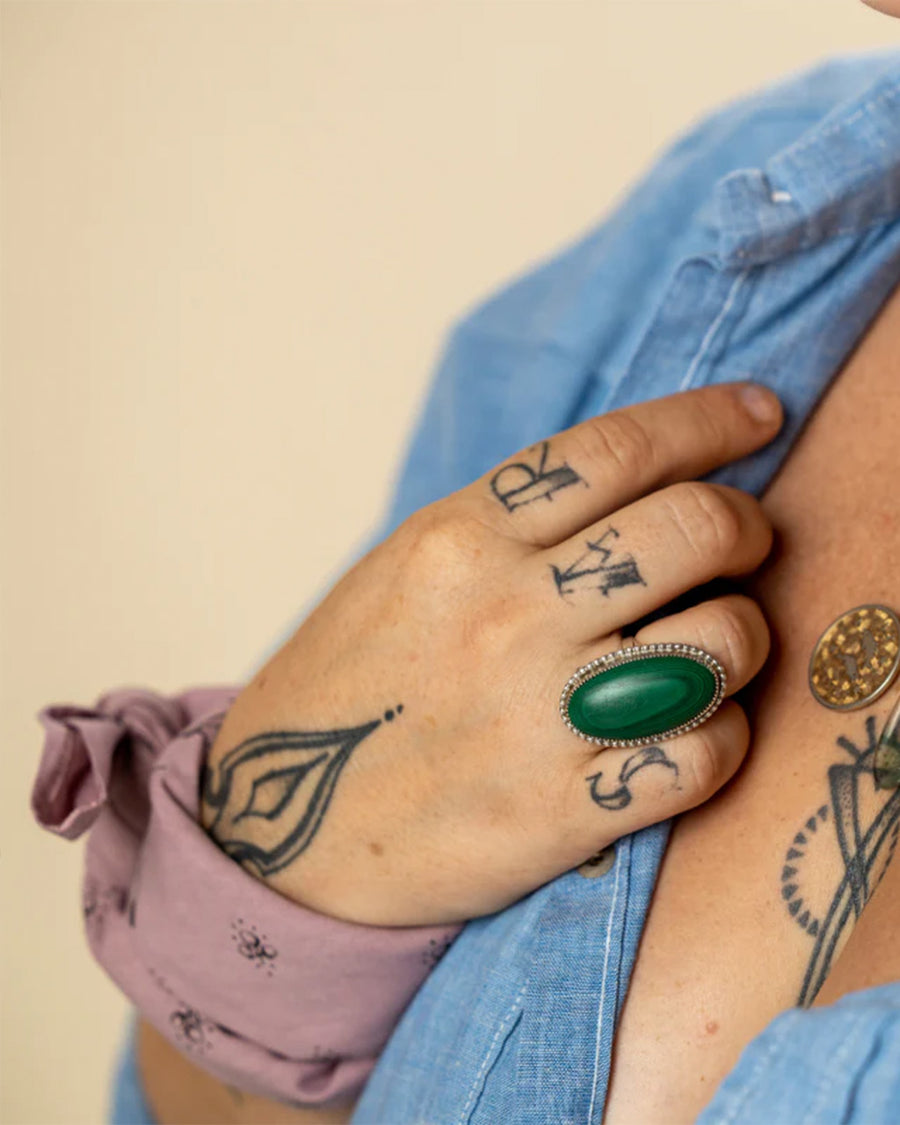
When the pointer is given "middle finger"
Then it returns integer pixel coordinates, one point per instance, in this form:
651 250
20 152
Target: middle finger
619 570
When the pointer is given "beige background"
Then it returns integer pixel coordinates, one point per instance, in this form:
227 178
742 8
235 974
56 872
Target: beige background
233 234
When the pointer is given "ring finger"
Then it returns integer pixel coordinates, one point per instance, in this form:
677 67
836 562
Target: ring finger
732 629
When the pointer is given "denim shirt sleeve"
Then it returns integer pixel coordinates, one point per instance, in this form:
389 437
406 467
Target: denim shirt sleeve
836 1065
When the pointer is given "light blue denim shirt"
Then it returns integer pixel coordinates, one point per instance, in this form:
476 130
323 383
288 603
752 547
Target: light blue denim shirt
760 246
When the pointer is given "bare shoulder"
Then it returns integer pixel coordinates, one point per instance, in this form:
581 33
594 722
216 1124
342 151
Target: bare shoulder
758 898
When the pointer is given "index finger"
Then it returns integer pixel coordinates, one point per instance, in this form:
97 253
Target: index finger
555 488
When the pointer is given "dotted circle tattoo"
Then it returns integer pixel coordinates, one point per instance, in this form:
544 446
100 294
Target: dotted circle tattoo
803 913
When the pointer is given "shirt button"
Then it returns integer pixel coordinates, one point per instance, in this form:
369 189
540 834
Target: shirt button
598 864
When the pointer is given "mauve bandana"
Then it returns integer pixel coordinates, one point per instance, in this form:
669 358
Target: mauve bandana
259 991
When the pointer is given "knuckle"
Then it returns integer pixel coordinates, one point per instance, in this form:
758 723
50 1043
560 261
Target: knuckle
732 632
622 441
441 537
708 521
705 772
713 752
425 520
451 562
759 529
713 429
418 535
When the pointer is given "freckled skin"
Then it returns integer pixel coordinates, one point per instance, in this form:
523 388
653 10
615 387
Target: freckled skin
719 925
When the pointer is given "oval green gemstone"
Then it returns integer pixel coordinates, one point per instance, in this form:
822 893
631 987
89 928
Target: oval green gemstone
642 698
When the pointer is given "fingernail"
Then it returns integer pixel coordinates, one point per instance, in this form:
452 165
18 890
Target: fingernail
760 403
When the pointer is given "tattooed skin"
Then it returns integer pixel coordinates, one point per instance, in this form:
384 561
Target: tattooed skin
620 796
596 569
859 824
522 482
270 793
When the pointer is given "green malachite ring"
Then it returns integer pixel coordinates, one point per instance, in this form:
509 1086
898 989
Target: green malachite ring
644 694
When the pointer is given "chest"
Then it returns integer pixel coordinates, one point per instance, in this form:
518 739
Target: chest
761 889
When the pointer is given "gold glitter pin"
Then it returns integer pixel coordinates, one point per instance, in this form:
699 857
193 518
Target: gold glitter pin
856 658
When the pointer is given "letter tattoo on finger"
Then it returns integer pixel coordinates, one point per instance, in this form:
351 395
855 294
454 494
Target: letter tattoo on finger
620 796
596 569
523 482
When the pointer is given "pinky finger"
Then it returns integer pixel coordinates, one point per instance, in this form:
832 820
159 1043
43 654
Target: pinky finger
626 790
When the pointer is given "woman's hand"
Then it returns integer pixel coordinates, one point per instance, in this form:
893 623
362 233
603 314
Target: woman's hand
402 759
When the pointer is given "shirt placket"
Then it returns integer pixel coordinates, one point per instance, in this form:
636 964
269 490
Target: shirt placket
564 1048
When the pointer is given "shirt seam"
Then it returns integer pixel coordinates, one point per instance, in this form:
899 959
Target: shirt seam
802 145
810 241
601 1007
482 1070
713 329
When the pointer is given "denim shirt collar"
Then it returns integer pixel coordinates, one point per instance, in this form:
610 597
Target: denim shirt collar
841 176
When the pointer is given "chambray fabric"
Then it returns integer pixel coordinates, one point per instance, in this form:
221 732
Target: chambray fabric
127 1104
760 245
824 1066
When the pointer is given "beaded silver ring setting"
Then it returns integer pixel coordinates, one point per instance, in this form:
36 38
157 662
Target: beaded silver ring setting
636 653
